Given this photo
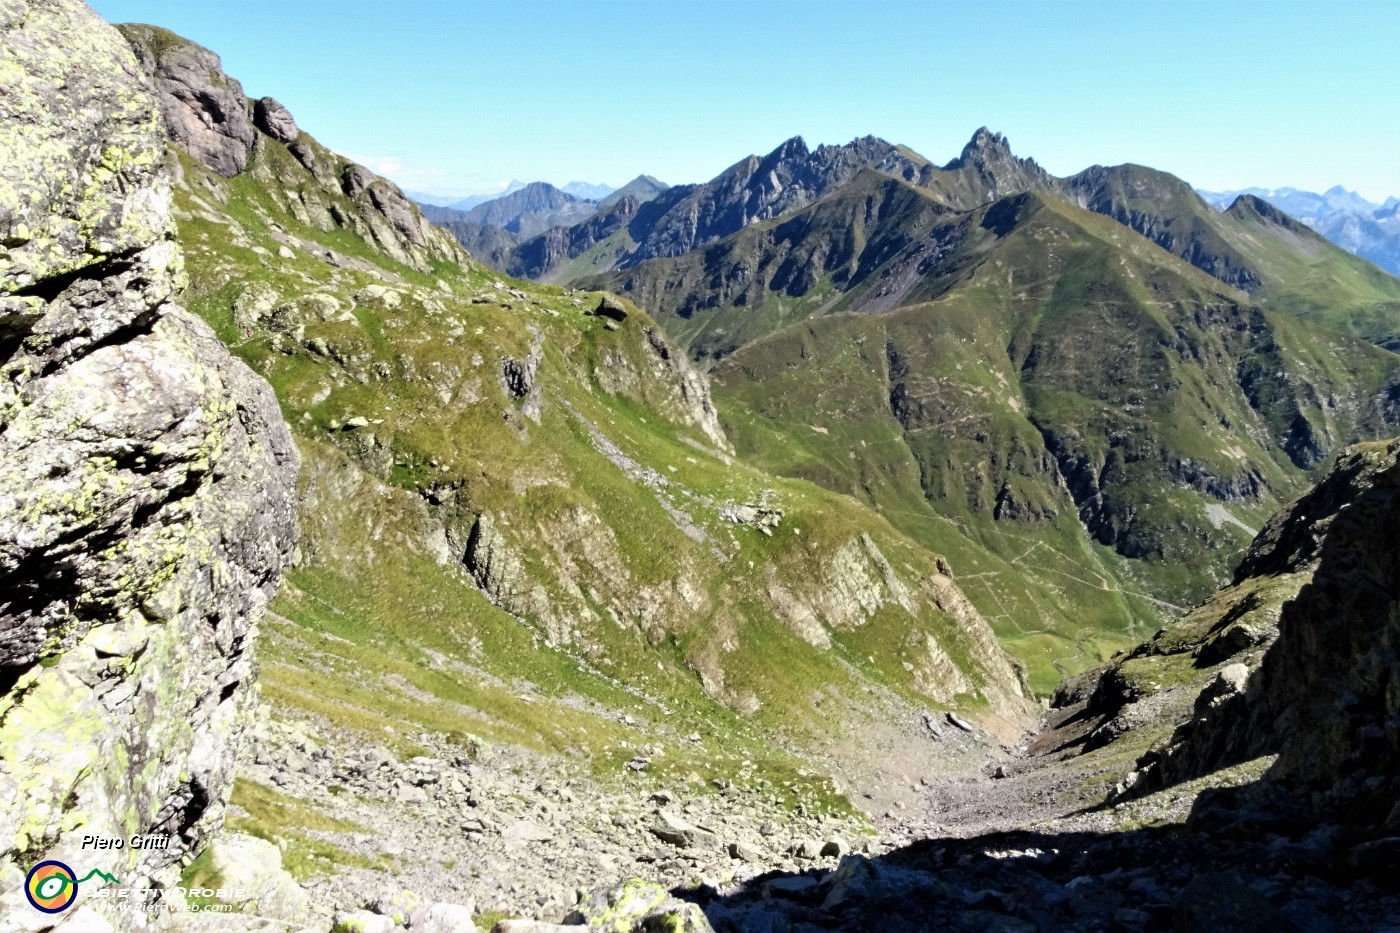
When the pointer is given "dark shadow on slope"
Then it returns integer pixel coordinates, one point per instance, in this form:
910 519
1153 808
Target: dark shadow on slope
1235 878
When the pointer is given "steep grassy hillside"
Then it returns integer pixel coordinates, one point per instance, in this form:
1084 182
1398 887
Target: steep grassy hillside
1068 395
522 520
1253 246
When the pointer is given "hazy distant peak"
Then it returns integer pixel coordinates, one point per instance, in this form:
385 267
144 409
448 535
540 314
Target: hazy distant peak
587 190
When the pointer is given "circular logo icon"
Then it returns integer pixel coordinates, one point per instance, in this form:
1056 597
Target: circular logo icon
51 887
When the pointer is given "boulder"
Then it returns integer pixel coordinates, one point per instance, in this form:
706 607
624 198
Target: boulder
527 831
254 306
958 722
793 887
668 827
744 852
443 918
638 906
255 866
362 921
398 906
610 307
1222 901
354 179
274 120
863 880
409 793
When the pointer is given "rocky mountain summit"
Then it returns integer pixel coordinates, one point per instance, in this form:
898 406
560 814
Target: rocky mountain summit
147 480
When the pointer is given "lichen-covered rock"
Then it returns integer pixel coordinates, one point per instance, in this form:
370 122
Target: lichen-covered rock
398 906
147 481
78 186
637 906
204 109
254 866
362 921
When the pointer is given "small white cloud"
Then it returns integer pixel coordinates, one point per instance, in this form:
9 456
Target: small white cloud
396 167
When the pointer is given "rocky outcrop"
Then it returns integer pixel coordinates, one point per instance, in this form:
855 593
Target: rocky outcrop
275 120
1324 699
204 109
986 170
207 116
146 477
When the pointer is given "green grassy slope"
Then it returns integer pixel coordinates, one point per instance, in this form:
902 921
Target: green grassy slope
1281 263
1076 379
531 565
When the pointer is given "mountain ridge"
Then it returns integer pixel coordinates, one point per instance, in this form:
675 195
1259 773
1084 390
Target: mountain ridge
1359 226
551 595
1044 453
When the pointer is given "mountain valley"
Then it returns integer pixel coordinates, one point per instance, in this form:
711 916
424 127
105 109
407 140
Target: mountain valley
846 543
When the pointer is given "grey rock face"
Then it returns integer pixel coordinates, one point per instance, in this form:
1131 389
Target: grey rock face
274 120
61 210
147 480
1323 698
204 109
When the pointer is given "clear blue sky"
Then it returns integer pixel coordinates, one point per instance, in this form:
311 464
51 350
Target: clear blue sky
465 96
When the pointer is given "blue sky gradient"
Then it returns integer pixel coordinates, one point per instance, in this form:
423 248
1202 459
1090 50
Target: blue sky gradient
461 96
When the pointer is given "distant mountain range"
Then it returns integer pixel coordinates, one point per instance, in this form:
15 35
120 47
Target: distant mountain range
1101 370
493 228
1359 226
1102 363
588 192
581 190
